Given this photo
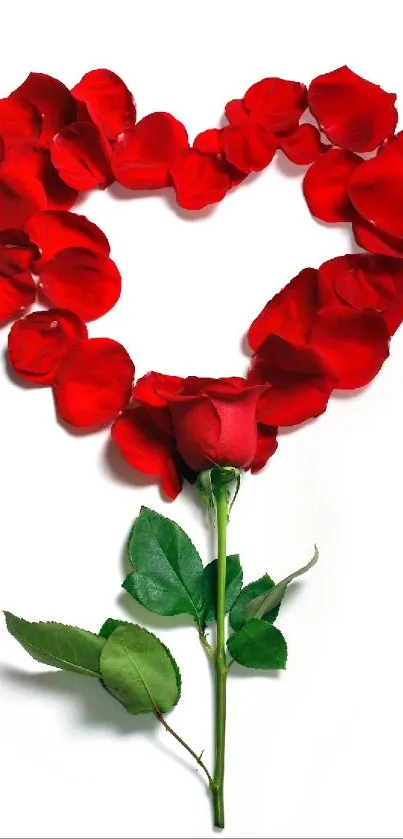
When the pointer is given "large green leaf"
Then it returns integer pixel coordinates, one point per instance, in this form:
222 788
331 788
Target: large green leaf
139 671
260 645
232 587
259 606
66 647
250 592
168 572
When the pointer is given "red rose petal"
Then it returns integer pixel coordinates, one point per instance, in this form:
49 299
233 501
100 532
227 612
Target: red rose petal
279 101
19 120
109 102
209 141
371 239
353 344
52 99
303 145
142 155
20 198
352 112
235 112
146 447
376 189
149 388
82 156
33 161
266 446
38 343
17 252
326 185
199 179
16 295
290 312
82 281
249 146
55 230
93 383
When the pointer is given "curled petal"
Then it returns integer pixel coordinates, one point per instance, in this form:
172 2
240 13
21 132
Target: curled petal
83 281
199 179
20 121
209 141
266 446
55 230
249 146
289 313
20 198
149 388
52 99
303 145
236 112
82 156
146 447
142 155
371 239
16 295
93 383
353 113
109 102
326 185
38 343
376 189
279 101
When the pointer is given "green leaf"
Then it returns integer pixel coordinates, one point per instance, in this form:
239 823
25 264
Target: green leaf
266 602
66 647
110 625
232 587
250 592
139 671
259 644
168 572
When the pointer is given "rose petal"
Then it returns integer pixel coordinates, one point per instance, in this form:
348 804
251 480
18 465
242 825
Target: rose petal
235 112
82 156
33 161
209 141
363 281
52 99
352 112
199 179
279 101
17 252
93 383
109 102
149 388
249 146
142 155
83 281
146 447
266 446
38 343
371 239
303 145
55 230
376 189
326 185
289 313
20 198
19 120
16 295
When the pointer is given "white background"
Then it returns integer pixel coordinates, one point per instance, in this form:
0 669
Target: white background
315 752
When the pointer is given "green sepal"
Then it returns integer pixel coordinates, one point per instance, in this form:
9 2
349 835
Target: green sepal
233 585
259 606
250 592
259 645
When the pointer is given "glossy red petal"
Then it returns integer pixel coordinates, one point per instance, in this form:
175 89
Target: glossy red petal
109 102
146 447
236 112
33 161
303 145
82 156
55 230
16 295
52 99
93 383
209 141
363 281
289 313
352 112
300 382
326 185
371 239
266 446
17 252
20 198
353 344
142 155
279 101
38 343
249 146
82 281
149 388
19 120
199 179
376 189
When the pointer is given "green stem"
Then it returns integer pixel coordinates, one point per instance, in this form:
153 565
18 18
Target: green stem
220 663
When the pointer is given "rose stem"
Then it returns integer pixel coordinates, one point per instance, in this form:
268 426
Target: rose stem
220 664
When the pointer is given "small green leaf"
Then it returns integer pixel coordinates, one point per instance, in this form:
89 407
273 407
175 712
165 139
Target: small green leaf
139 671
260 645
232 587
66 647
266 602
110 625
168 572
250 592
